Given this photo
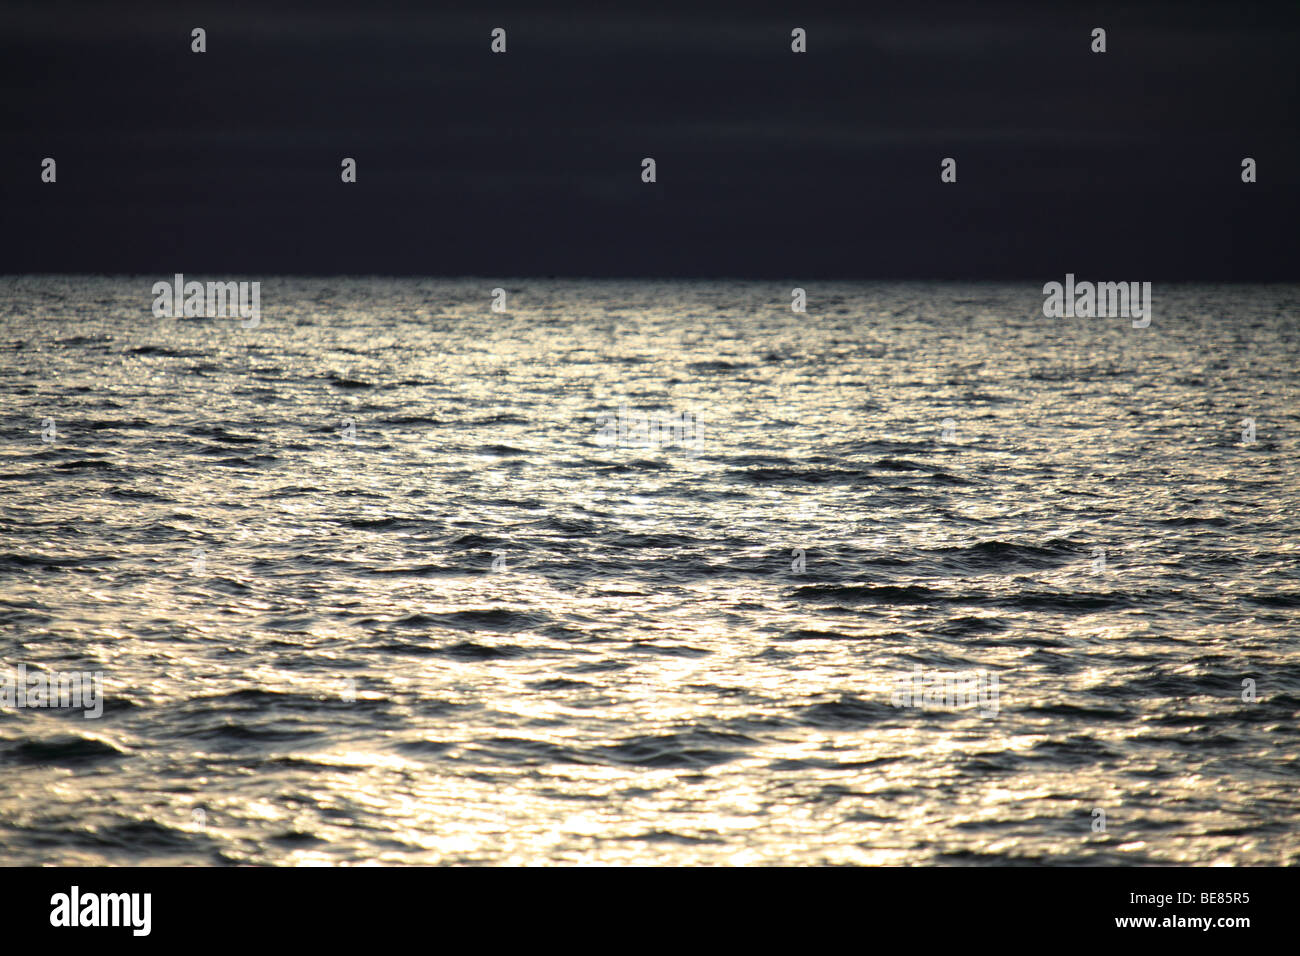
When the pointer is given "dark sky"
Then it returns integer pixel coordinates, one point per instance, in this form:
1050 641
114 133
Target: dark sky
1120 166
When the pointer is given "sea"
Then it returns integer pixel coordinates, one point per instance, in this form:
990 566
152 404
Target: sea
561 571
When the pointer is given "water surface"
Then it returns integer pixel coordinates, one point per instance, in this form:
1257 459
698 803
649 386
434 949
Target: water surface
364 585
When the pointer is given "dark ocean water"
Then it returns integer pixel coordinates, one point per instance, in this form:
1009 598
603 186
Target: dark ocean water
365 585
